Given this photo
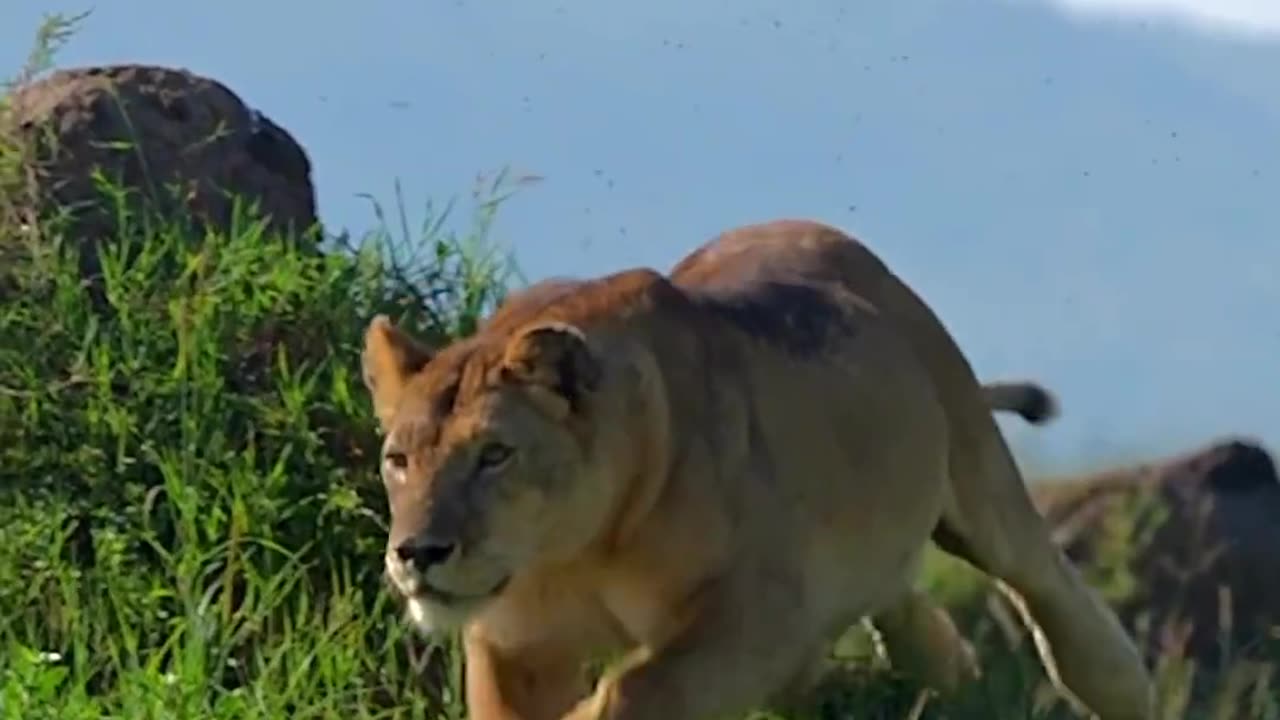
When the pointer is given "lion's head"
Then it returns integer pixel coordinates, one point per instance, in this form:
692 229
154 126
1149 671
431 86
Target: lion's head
494 459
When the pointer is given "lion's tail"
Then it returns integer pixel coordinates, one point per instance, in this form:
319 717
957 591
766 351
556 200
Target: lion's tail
1034 402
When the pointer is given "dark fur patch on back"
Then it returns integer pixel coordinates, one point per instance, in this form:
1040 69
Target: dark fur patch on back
800 319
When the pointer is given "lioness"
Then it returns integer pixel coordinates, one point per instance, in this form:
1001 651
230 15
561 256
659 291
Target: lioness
713 471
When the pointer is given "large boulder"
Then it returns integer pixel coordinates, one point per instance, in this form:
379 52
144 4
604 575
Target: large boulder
1191 543
174 139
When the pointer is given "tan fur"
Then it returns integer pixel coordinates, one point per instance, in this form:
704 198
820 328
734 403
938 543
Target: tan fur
712 473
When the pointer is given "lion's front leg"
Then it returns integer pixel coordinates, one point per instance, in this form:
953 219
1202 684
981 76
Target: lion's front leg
731 658
535 684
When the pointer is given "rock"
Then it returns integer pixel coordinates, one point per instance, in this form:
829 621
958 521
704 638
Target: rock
1202 561
151 128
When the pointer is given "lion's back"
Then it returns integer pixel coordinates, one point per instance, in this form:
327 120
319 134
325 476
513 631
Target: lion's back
791 282
814 283
847 415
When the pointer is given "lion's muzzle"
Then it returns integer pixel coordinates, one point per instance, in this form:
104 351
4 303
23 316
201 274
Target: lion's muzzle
420 555
425 570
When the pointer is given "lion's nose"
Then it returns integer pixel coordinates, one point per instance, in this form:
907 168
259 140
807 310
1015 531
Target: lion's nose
423 554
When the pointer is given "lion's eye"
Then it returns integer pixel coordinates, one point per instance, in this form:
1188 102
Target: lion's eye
493 455
396 460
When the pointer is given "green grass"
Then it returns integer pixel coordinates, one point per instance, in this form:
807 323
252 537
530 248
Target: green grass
190 518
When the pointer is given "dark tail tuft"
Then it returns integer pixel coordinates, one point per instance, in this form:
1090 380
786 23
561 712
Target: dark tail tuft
1034 402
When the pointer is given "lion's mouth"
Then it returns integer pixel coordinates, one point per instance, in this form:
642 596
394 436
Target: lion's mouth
427 591
414 586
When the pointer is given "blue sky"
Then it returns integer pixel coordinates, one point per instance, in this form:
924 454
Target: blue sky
1088 191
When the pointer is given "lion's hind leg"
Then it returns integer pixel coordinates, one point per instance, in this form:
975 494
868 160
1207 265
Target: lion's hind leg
991 523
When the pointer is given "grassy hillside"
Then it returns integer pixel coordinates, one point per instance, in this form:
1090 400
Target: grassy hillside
190 518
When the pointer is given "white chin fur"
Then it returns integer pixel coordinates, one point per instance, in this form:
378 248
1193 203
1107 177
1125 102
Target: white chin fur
420 615
431 619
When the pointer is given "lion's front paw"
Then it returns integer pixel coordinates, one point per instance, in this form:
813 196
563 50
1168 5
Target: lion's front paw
592 707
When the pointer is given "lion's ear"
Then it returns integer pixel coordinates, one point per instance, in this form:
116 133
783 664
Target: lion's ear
554 356
389 359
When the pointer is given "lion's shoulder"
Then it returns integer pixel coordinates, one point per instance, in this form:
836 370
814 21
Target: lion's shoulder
584 302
